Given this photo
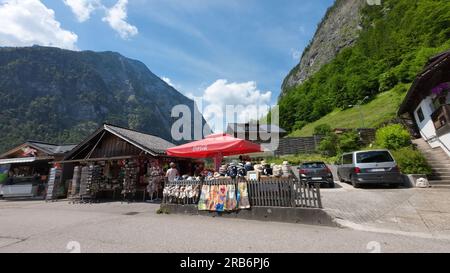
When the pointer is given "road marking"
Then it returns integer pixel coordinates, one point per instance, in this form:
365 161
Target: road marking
358 227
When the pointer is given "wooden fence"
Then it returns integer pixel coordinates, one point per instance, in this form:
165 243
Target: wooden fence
281 192
268 192
298 145
306 145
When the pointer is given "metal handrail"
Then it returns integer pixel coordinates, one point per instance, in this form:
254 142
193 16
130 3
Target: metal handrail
427 139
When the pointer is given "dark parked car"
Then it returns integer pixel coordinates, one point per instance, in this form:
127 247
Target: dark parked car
316 172
369 167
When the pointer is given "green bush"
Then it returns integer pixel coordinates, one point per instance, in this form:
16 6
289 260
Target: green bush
296 160
322 129
411 161
332 144
328 145
393 137
349 141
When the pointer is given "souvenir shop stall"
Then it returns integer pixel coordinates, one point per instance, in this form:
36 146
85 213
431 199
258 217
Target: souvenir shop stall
135 178
221 189
119 164
217 195
227 189
25 170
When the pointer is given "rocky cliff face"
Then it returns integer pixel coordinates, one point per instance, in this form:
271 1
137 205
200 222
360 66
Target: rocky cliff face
58 95
338 29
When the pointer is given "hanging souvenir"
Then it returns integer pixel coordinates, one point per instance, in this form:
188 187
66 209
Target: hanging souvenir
243 201
214 198
221 198
231 198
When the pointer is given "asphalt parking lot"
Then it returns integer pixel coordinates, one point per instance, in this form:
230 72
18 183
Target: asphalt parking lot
408 211
396 220
36 226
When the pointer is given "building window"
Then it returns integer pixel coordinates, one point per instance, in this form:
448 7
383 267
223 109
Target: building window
420 114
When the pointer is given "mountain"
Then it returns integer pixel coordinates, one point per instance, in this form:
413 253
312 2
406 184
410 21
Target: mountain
360 51
61 96
339 29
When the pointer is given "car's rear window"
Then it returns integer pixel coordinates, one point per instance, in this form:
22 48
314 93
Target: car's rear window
374 157
316 165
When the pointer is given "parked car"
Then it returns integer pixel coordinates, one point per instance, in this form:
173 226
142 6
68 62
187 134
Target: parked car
369 167
316 172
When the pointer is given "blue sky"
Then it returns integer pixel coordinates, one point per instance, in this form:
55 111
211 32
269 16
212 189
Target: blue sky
192 43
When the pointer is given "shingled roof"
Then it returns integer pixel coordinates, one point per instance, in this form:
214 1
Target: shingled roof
48 148
51 149
149 143
426 80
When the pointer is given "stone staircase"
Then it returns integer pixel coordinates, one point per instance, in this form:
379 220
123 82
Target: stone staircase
439 162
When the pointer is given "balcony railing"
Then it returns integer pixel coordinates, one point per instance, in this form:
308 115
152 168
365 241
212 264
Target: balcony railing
441 119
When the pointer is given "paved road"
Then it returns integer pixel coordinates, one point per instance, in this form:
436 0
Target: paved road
35 226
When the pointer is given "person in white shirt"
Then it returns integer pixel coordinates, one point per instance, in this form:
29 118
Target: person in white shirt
172 173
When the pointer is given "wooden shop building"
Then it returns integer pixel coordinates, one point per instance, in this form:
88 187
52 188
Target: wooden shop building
25 169
118 163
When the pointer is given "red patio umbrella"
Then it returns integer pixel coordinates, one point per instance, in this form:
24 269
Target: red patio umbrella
215 146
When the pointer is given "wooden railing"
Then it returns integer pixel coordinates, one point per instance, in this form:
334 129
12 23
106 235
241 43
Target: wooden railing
267 192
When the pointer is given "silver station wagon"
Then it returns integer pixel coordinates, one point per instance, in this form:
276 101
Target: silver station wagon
369 167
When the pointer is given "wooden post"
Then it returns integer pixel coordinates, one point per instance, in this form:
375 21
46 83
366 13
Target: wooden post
319 198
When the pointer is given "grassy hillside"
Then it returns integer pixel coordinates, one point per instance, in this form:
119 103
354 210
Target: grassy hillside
395 43
380 110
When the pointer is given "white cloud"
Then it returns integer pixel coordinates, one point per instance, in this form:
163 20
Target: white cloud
83 8
168 81
116 18
251 102
30 22
171 83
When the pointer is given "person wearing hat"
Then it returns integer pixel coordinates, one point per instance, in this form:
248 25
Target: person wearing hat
172 173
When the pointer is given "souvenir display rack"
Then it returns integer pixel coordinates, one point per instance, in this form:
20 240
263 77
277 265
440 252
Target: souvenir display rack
53 184
130 178
75 185
130 181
